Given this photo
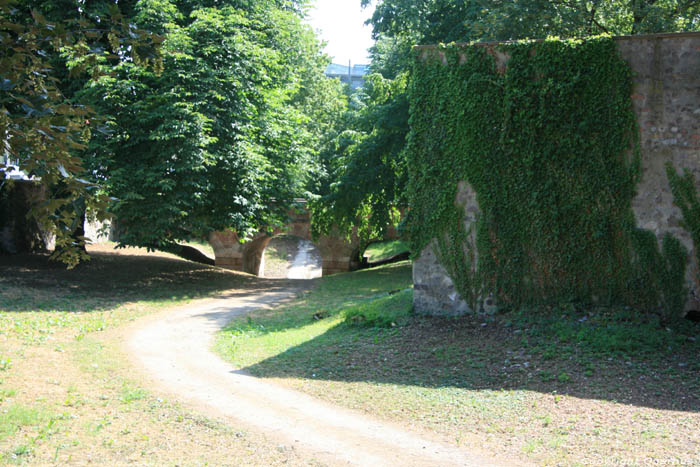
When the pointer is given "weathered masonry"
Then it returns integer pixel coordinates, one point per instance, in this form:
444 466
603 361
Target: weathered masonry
666 100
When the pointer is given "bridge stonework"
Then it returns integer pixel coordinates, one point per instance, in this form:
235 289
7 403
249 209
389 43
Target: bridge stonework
666 97
337 253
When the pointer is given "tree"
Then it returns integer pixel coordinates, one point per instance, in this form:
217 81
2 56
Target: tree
432 21
365 162
221 138
42 131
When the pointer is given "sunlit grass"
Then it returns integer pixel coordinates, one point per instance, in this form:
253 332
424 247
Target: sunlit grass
269 333
67 395
379 251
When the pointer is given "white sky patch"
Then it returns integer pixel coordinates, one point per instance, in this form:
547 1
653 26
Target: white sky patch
340 23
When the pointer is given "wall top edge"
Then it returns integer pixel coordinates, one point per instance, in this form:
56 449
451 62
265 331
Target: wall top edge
664 35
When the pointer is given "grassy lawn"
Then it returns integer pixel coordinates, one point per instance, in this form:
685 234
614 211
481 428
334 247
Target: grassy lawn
379 251
569 388
562 388
66 393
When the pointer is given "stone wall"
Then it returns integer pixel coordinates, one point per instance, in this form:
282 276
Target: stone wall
667 103
666 75
434 291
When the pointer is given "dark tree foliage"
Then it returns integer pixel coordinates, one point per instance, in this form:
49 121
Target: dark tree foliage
42 130
433 21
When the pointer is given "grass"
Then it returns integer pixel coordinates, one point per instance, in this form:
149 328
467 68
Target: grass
67 395
554 387
379 251
14 417
110 279
382 312
39 298
318 310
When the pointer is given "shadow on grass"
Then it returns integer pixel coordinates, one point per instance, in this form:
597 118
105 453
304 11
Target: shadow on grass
108 280
469 354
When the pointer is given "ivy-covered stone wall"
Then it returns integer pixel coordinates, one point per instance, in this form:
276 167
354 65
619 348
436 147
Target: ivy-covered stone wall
539 173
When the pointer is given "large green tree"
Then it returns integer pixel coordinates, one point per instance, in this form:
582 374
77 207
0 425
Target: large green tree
221 132
431 21
225 135
365 163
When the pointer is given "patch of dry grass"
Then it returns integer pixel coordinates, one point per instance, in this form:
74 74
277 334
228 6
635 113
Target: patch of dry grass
66 394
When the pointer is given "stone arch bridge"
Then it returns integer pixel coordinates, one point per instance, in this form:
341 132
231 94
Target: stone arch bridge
338 254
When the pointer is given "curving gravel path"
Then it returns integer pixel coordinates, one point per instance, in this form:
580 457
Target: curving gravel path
173 350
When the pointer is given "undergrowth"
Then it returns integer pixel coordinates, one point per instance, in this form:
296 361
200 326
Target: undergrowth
601 333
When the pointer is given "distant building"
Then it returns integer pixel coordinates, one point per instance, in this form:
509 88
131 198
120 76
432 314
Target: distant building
354 75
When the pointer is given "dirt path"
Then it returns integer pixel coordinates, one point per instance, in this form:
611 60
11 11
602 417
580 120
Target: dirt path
173 350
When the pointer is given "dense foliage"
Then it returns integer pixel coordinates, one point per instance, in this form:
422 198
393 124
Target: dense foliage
41 129
223 137
236 118
550 148
368 150
432 21
221 131
364 162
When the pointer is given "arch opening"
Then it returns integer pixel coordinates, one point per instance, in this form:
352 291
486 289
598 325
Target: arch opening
290 257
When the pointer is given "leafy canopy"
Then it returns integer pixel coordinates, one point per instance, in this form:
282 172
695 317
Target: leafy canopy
42 131
434 21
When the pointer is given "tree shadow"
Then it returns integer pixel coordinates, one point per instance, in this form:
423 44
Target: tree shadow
111 279
472 355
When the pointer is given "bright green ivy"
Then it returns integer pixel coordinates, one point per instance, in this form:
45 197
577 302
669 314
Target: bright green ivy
547 139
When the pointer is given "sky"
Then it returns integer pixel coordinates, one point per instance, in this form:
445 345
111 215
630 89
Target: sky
340 23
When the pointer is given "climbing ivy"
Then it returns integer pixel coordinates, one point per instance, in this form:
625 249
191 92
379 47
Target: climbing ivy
545 134
685 196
